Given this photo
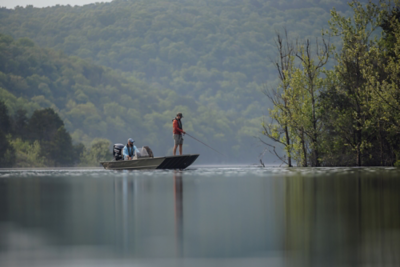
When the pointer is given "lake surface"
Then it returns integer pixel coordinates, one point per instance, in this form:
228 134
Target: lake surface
217 216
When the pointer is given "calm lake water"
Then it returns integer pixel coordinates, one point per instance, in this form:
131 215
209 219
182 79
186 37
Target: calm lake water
218 216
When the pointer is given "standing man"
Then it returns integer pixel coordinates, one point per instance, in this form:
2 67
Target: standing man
177 132
130 150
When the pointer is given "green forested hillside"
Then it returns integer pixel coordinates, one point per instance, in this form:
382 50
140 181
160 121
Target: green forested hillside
203 48
95 101
208 59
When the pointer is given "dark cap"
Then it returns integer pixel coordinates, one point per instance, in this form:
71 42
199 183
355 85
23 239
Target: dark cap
179 114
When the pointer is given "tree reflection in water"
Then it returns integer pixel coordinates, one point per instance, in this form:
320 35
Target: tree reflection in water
343 220
178 201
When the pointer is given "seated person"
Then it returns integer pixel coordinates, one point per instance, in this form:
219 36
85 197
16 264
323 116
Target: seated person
129 150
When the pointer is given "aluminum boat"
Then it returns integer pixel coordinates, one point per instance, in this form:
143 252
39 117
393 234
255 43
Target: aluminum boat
171 162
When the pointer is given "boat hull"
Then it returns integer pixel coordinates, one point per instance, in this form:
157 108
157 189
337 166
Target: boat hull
166 163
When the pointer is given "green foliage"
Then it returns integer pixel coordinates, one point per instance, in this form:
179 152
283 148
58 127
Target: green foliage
59 151
5 121
99 151
43 141
349 115
44 125
28 154
358 112
296 112
20 125
7 153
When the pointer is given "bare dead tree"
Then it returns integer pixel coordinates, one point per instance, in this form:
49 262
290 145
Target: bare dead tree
312 65
283 64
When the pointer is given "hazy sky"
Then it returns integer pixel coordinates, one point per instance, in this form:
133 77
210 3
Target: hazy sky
45 3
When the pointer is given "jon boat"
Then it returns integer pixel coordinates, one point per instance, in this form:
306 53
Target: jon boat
171 162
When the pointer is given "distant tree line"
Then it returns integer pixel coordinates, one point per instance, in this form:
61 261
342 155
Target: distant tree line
42 141
349 115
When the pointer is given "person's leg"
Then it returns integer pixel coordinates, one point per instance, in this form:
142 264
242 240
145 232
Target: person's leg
174 151
180 149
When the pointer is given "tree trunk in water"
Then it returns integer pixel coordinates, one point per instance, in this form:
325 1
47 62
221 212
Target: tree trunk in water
359 142
380 143
316 155
303 145
288 144
315 137
358 156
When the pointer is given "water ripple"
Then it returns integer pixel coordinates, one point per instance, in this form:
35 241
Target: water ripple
202 171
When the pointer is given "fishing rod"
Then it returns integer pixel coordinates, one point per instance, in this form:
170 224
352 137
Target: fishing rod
206 145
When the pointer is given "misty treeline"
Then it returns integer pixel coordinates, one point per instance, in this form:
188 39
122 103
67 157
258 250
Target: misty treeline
347 115
41 140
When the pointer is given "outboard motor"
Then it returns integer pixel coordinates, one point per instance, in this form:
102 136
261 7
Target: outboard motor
117 151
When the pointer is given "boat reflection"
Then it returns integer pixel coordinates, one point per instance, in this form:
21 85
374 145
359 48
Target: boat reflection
133 212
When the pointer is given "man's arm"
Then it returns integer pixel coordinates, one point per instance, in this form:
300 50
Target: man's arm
137 150
125 152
